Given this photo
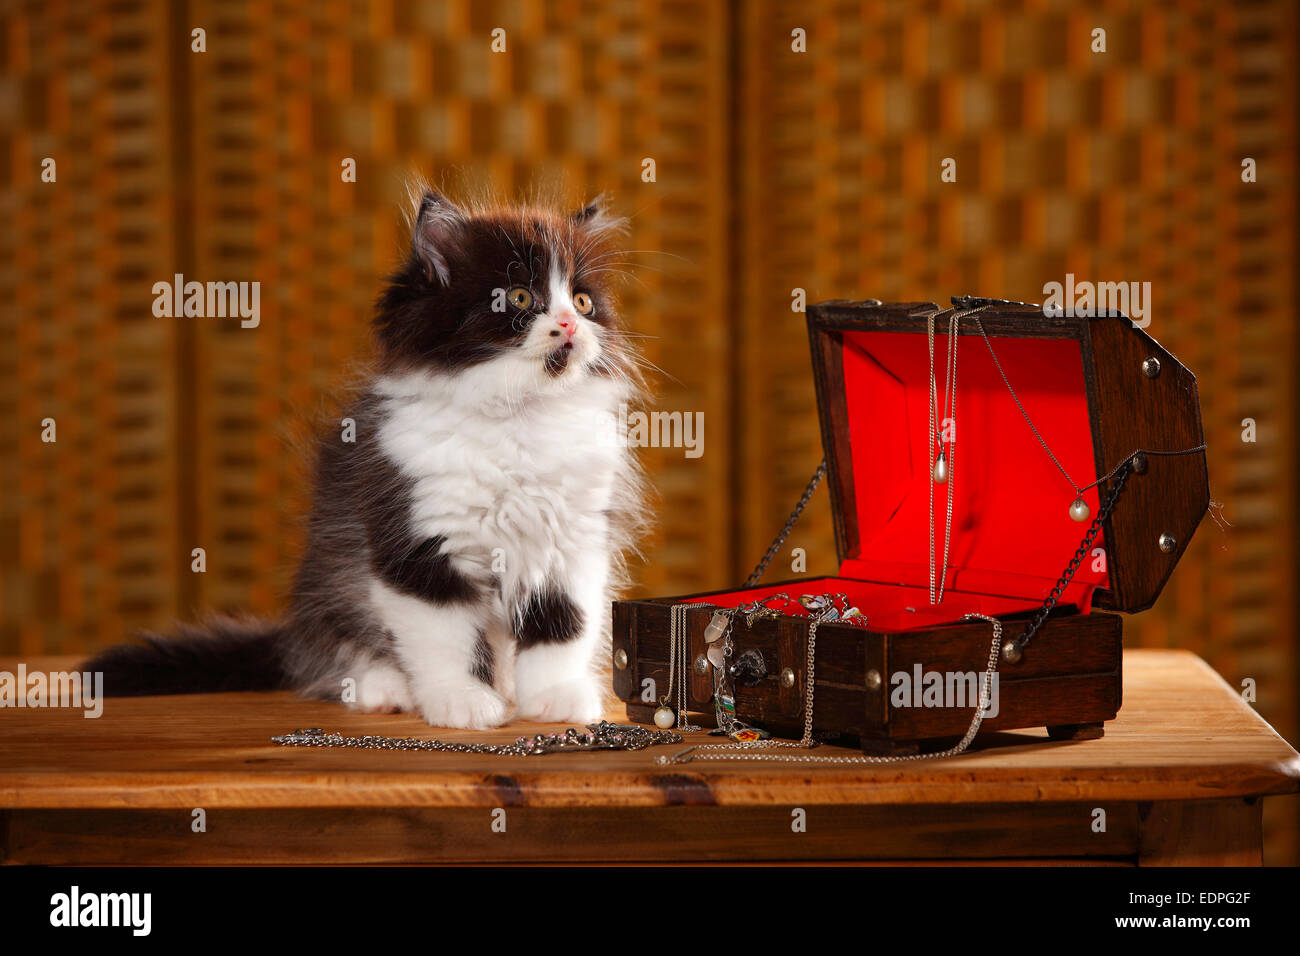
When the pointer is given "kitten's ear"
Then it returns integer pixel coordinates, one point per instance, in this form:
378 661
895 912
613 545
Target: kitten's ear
437 223
595 217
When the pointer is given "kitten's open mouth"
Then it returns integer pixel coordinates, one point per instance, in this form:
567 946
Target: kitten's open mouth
557 359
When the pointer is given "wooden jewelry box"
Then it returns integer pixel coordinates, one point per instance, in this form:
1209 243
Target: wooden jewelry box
1105 401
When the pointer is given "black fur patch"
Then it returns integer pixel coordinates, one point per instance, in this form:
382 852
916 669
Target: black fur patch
485 660
415 566
423 571
549 617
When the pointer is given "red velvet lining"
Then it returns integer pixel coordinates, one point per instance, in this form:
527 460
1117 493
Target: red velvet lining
1011 533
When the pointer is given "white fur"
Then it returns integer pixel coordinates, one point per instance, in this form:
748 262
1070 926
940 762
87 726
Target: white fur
436 646
513 466
382 689
554 680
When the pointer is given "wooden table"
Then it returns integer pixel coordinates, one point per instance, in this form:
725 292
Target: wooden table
1177 779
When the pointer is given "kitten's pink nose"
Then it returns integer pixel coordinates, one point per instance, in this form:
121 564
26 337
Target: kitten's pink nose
570 325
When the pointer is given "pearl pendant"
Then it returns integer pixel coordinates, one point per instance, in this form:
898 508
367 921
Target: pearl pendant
665 718
1079 511
941 469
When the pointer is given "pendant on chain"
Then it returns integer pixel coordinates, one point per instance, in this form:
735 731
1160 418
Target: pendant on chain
941 469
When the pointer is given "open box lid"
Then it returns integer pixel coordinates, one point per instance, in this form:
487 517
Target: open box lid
1092 393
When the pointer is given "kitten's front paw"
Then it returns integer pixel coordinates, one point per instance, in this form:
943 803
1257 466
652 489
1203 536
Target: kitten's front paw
465 706
382 690
576 702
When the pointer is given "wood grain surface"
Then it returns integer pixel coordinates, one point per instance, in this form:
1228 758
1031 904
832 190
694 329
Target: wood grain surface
1183 735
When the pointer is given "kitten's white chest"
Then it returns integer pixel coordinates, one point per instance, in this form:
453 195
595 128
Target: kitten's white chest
521 497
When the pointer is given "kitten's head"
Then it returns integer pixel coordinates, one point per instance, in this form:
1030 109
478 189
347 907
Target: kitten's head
520 299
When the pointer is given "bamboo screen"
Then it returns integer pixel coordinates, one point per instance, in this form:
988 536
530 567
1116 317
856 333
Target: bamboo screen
775 170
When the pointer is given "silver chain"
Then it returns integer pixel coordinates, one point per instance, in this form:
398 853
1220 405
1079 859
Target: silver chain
1030 422
677 654
757 573
936 432
600 736
760 749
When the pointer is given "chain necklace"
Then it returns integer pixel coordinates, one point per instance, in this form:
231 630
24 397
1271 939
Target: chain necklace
761 750
942 459
677 654
757 573
1079 509
601 736
942 472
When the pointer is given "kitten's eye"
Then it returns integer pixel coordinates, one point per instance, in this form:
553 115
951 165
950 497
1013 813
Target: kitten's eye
582 302
520 298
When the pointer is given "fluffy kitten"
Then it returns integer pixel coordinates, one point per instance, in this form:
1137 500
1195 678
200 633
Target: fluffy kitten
462 553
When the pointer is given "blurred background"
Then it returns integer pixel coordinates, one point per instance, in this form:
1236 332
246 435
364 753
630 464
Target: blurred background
775 170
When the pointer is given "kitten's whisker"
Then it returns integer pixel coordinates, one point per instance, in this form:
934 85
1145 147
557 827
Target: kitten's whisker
628 275
651 366
637 252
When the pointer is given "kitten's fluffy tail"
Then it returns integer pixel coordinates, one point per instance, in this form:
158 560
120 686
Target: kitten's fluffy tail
222 655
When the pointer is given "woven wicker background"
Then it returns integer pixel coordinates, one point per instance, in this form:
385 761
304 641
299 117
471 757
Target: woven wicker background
776 170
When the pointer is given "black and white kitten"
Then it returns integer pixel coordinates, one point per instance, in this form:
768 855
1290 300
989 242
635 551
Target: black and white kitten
462 552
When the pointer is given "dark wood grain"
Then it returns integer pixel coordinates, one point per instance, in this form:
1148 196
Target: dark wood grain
1131 411
1014 320
1201 833
573 835
828 380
